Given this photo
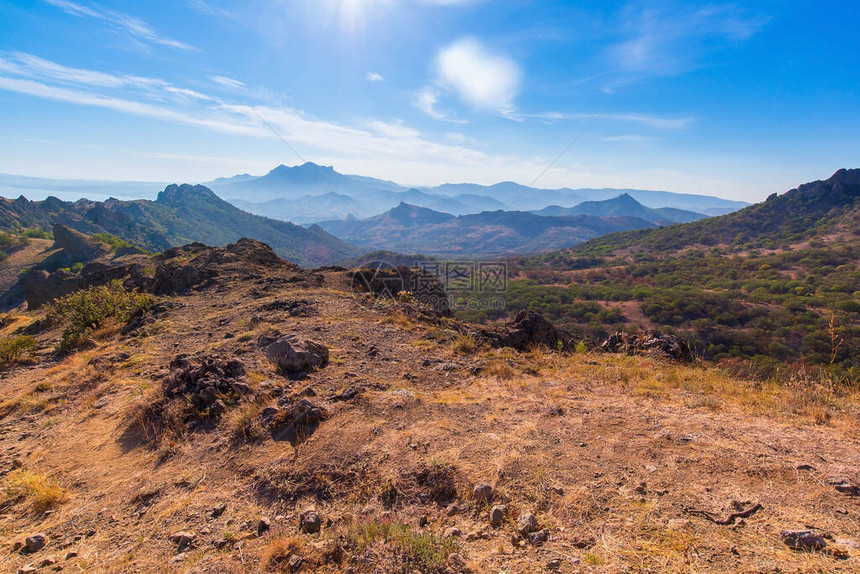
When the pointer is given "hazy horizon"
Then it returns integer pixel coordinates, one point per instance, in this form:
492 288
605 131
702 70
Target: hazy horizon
724 100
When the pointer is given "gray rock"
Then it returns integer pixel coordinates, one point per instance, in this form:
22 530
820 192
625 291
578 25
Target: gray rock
482 493
452 532
28 569
803 539
182 538
295 562
526 524
310 522
497 514
292 355
218 509
263 525
540 537
35 542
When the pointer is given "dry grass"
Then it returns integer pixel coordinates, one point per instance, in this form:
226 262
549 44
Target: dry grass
37 490
278 550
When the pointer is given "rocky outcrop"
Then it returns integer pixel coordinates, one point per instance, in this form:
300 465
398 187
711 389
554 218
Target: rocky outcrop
177 270
388 282
527 330
648 343
77 246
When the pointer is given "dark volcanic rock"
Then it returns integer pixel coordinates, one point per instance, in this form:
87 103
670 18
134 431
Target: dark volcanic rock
529 329
648 343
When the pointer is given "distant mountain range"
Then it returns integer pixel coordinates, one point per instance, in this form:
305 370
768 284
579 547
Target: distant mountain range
311 193
624 206
411 228
180 214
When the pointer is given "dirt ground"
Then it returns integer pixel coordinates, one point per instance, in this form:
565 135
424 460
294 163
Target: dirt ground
612 454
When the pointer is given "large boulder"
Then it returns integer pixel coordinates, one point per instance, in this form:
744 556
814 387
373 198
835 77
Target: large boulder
648 343
529 329
291 354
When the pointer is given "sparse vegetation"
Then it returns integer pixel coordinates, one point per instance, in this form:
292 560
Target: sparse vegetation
424 551
16 350
39 491
86 310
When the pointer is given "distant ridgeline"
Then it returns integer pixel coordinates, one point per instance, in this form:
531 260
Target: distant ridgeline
775 284
181 214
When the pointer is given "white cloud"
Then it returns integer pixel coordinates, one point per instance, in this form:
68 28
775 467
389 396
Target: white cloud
426 100
374 77
135 27
227 82
482 79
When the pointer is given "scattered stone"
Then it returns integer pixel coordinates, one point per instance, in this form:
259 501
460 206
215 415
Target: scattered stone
263 525
35 542
803 539
293 355
17 463
452 532
71 554
642 488
497 515
482 493
48 561
584 542
423 521
847 542
295 562
553 564
452 510
847 488
182 538
538 538
28 569
218 509
310 522
526 524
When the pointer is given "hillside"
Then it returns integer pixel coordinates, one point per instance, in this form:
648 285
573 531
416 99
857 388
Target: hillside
409 228
179 215
186 438
774 284
624 206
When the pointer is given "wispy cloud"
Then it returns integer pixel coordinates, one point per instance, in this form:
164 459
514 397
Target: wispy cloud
629 138
227 82
667 43
649 120
208 9
427 99
374 77
402 149
136 28
482 79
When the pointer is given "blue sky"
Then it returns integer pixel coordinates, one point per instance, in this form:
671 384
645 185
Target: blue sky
730 99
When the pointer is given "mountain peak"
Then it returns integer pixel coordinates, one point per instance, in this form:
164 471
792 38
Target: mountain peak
846 177
174 194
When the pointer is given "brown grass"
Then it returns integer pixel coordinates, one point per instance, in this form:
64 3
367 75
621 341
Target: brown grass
37 490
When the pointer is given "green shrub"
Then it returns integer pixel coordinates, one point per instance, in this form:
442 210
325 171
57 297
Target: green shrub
85 310
15 350
112 240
